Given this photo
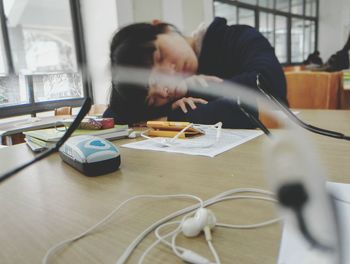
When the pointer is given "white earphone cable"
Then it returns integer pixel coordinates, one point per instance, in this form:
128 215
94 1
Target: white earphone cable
122 259
214 252
162 239
54 248
158 223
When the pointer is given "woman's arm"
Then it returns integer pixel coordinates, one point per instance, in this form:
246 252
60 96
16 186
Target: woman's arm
220 110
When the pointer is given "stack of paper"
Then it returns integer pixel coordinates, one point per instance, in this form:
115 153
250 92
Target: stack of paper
47 138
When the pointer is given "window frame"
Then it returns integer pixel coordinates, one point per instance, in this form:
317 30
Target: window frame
289 15
33 107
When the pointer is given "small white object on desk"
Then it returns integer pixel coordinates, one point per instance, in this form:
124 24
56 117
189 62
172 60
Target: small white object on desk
134 134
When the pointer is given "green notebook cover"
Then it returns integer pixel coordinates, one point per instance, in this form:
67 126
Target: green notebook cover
54 134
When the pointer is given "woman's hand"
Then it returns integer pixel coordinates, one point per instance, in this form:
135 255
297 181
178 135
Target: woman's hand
187 101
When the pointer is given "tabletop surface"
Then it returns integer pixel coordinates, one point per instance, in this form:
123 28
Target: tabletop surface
50 201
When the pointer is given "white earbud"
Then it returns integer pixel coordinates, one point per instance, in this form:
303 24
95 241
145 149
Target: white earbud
203 219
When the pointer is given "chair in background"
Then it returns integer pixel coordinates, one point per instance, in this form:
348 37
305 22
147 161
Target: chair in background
97 109
309 90
66 110
294 68
313 90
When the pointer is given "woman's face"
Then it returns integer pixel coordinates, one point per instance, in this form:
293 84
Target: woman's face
173 55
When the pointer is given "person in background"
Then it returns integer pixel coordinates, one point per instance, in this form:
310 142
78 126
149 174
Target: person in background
314 58
340 60
219 52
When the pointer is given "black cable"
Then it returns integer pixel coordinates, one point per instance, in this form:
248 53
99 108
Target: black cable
288 112
83 111
294 196
254 120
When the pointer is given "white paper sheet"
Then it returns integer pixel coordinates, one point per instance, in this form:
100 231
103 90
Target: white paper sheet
228 139
294 249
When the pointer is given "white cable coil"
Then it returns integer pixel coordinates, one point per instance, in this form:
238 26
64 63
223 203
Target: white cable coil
185 254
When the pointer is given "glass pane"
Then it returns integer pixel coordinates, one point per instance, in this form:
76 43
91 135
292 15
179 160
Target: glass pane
13 91
297 7
246 17
281 38
44 114
227 11
282 5
41 35
266 26
57 86
251 2
309 38
297 40
266 3
3 62
310 8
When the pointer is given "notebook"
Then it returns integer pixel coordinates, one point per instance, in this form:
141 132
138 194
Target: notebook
54 134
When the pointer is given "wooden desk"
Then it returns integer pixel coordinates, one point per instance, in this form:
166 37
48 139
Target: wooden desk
50 201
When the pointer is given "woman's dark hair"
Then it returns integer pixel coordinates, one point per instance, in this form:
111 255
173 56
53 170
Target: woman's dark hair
133 46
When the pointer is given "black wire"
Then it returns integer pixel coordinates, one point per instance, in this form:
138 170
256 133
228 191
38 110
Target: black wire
286 110
295 197
306 233
254 120
83 111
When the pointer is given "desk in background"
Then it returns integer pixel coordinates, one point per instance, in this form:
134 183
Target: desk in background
50 201
316 89
12 131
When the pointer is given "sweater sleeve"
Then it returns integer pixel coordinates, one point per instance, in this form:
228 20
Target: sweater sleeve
219 110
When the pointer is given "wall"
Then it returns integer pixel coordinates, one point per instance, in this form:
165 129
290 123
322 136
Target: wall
185 14
192 19
100 22
334 26
147 10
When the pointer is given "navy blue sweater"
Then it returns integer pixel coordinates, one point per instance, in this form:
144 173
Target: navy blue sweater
234 53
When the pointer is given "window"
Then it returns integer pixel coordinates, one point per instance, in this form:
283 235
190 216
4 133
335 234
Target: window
42 38
226 10
297 7
309 37
310 8
246 17
267 3
251 2
297 39
289 25
281 38
3 59
282 5
266 26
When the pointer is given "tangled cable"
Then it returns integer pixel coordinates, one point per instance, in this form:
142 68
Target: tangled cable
191 224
